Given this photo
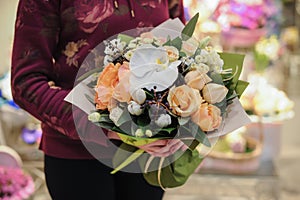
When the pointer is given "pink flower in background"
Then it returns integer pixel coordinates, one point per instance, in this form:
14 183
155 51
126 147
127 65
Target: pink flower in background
14 184
90 13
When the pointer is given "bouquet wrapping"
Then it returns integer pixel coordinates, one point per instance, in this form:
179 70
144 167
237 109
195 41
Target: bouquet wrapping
158 86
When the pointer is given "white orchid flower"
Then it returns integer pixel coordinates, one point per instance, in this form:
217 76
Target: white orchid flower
150 66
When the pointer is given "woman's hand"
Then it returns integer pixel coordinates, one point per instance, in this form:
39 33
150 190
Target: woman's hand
159 148
164 148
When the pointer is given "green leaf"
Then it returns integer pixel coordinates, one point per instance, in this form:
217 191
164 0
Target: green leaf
204 42
168 130
189 28
216 77
125 117
125 151
136 141
240 87
177 170
199 135
192 144
183 120
90 99
125 38
176 42
233 61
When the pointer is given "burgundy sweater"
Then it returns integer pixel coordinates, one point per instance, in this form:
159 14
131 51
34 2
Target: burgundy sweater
52 38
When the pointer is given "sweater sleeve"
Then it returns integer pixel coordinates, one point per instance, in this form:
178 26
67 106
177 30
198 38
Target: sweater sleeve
36 36
176 9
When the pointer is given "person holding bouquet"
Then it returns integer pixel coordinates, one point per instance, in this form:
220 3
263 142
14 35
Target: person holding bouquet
52 38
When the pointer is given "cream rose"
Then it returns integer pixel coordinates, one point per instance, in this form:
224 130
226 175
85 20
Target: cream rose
214 93
196 79
189 47
184 100
208 117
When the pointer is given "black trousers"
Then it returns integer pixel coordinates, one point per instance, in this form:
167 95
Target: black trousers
91 180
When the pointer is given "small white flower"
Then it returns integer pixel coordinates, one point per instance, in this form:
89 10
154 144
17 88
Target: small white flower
201 67
201 59
139 96
107 59
188 61
94 117
132 45
115 114
128 55
148 133
134 108
163 120
214 60
147 40
139 133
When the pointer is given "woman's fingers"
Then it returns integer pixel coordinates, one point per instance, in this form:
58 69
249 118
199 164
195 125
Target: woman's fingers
163 148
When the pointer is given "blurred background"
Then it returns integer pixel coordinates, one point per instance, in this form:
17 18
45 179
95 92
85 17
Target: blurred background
257 162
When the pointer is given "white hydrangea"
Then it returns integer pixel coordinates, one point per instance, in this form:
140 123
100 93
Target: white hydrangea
201 67
201 58
108 59
211 58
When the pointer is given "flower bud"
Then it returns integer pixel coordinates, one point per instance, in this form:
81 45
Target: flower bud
163 120
139 133
94 117
128 55
148 133
134 108
139 96
214 93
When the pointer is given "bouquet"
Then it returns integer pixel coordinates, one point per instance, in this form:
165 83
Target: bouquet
161 85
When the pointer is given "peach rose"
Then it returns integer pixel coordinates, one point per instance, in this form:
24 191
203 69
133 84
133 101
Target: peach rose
106 83
103 97
109 76
208 117
196 79
184 100
121 91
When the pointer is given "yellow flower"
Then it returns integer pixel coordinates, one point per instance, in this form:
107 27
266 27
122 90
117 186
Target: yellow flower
71 49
